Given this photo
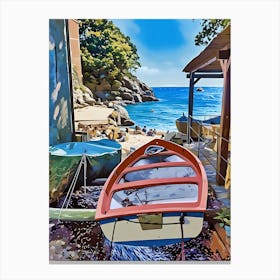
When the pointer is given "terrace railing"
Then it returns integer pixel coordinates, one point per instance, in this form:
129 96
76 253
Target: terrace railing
205 135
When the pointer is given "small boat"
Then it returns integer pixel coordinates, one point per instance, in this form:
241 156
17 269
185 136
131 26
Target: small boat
213 120
102 157
156 196
200 89
211 127
182 126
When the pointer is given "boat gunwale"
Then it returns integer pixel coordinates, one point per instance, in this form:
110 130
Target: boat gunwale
152 209
103 210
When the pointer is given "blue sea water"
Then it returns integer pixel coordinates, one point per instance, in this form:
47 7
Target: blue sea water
173 102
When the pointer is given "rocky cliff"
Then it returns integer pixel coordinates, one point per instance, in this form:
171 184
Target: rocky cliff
115 95
129 90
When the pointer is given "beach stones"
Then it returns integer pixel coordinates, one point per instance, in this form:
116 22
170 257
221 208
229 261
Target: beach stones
84 241
128 123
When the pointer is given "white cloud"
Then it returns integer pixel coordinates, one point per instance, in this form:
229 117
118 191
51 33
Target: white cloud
146 70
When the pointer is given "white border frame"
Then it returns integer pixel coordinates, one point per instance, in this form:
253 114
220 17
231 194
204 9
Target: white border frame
24 138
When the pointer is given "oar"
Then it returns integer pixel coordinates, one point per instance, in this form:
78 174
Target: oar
68 214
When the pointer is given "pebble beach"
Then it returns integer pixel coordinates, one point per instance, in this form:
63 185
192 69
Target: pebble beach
84 241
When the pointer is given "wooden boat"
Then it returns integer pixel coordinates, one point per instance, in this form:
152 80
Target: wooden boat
102 157
156 196
182 126
213 120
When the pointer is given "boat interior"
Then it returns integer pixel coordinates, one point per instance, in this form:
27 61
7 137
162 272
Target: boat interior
162 194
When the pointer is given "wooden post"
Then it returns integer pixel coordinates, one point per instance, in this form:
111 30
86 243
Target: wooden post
225 125
190 111
70 79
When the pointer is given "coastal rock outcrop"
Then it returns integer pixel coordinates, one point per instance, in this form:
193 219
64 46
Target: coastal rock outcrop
113 95
121 115
82 97
140 91
126 94
137 97
128 88
146 98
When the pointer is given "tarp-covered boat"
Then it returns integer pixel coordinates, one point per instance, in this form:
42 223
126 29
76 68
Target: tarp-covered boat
213 120
102 157
182 126
156 196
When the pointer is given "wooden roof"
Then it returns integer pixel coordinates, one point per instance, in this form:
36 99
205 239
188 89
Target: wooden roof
207 60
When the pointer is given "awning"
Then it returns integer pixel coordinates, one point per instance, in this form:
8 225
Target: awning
208 59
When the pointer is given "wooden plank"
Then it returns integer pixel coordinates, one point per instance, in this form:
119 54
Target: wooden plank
72 214
205 63
223 236
206 75
225 126
209 55
196 80
218 246
190 109
221 231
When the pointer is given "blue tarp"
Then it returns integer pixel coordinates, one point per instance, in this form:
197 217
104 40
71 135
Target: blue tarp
91 148
102 155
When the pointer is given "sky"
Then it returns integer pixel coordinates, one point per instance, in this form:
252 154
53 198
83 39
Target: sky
165 47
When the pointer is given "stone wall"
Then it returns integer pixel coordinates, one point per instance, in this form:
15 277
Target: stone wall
60 100
75 52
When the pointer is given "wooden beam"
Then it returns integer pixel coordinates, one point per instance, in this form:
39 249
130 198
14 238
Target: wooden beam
225 126
217 71
196 81
206 75
190 110
66 22
202 65
224 54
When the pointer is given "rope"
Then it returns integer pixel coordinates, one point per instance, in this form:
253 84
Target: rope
183 258
71 188
73 184
85 172
111 243
181 222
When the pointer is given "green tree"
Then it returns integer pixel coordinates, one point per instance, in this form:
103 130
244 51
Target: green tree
107 54
210 28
